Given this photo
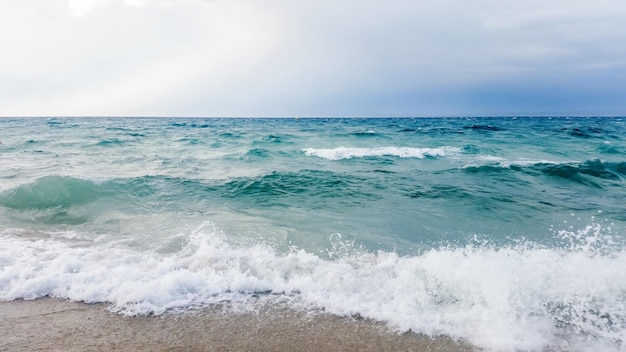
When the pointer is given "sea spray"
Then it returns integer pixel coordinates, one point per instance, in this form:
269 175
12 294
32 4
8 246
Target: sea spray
526 297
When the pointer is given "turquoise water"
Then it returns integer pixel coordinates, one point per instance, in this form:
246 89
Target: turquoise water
505 232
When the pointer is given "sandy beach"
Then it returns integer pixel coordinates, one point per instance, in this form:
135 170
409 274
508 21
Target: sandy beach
55 325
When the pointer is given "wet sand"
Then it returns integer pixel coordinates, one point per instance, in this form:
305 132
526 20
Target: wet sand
54 325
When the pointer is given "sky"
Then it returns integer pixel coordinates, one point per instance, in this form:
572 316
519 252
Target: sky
253 58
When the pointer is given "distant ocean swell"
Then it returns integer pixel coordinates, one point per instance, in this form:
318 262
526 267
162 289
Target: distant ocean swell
44 197
65 192
584 172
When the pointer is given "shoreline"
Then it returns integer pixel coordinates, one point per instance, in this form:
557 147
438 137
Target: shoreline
49 324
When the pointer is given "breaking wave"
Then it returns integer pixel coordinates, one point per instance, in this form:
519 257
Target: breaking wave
401 152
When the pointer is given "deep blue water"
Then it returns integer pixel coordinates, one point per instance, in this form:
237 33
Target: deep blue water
505 232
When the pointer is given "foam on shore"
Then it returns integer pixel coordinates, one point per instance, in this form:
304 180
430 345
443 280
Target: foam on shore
49 325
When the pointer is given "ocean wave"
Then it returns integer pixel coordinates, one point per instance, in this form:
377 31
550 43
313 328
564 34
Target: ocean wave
53 199
69 200
271 139
110 142
366 133
522 297
51 191
401 152
580 172
260 153
315 188
594 168
584 132
483 128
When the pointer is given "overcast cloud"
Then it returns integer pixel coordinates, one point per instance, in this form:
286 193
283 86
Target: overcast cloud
312 58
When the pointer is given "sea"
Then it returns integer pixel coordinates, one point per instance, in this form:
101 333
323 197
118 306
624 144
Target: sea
508 233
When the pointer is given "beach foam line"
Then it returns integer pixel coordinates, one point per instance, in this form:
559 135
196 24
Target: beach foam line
49 324
525 297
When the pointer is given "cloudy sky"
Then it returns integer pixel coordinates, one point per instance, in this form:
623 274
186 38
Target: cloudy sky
312 58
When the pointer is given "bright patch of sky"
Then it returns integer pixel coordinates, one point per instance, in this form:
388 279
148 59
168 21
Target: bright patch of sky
312 58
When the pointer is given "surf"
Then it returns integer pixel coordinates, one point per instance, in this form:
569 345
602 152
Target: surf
523 297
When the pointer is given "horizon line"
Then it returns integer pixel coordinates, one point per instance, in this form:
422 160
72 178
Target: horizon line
324 117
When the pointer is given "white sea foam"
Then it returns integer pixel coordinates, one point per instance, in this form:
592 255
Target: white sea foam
506 163
501 299
401 152
532 162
